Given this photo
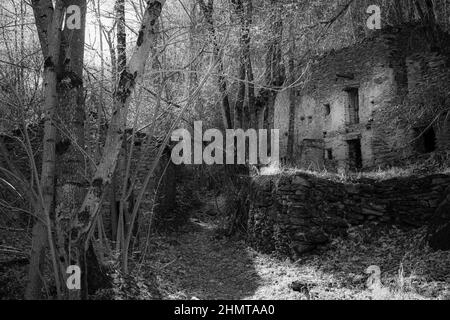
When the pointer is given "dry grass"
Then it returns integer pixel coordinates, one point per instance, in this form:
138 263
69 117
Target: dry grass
432 163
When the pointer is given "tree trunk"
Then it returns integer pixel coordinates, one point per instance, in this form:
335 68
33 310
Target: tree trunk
275 72
291 57
121 65
70 185
122 97
33 291
43 14
48 21
194 59
240 97
247 21
207 9
121 36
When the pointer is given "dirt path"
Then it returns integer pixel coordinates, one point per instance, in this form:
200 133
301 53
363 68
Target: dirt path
212 269
194 263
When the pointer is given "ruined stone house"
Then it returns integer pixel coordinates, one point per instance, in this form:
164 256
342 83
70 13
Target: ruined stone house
343 116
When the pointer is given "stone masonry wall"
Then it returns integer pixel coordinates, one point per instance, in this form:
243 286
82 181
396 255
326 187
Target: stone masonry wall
293 214
159 200
163 182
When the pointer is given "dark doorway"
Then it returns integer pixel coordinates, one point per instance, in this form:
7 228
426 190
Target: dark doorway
354 154
353 105
327 109
426 140
329 154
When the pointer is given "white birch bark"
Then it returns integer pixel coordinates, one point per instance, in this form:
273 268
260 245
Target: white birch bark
122 97
48 22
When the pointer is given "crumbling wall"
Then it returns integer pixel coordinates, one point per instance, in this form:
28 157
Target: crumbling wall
159 200
428 91
364 66
281 121
162 183
293 214
392 70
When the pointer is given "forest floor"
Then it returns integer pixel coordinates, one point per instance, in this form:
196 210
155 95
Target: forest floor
195 263
14 247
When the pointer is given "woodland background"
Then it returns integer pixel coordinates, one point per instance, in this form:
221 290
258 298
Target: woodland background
141 67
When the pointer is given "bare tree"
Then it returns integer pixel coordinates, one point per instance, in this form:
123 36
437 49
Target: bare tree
122 97
208 11
48 21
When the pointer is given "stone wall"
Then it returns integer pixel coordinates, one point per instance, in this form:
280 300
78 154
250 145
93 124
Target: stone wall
293 214
159 200
162 183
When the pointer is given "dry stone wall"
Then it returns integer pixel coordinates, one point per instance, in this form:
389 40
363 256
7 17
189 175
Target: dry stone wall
293 214
159 200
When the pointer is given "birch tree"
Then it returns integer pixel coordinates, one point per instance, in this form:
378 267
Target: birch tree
207 9
274 69
244 11
128 80
48 22
58 53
